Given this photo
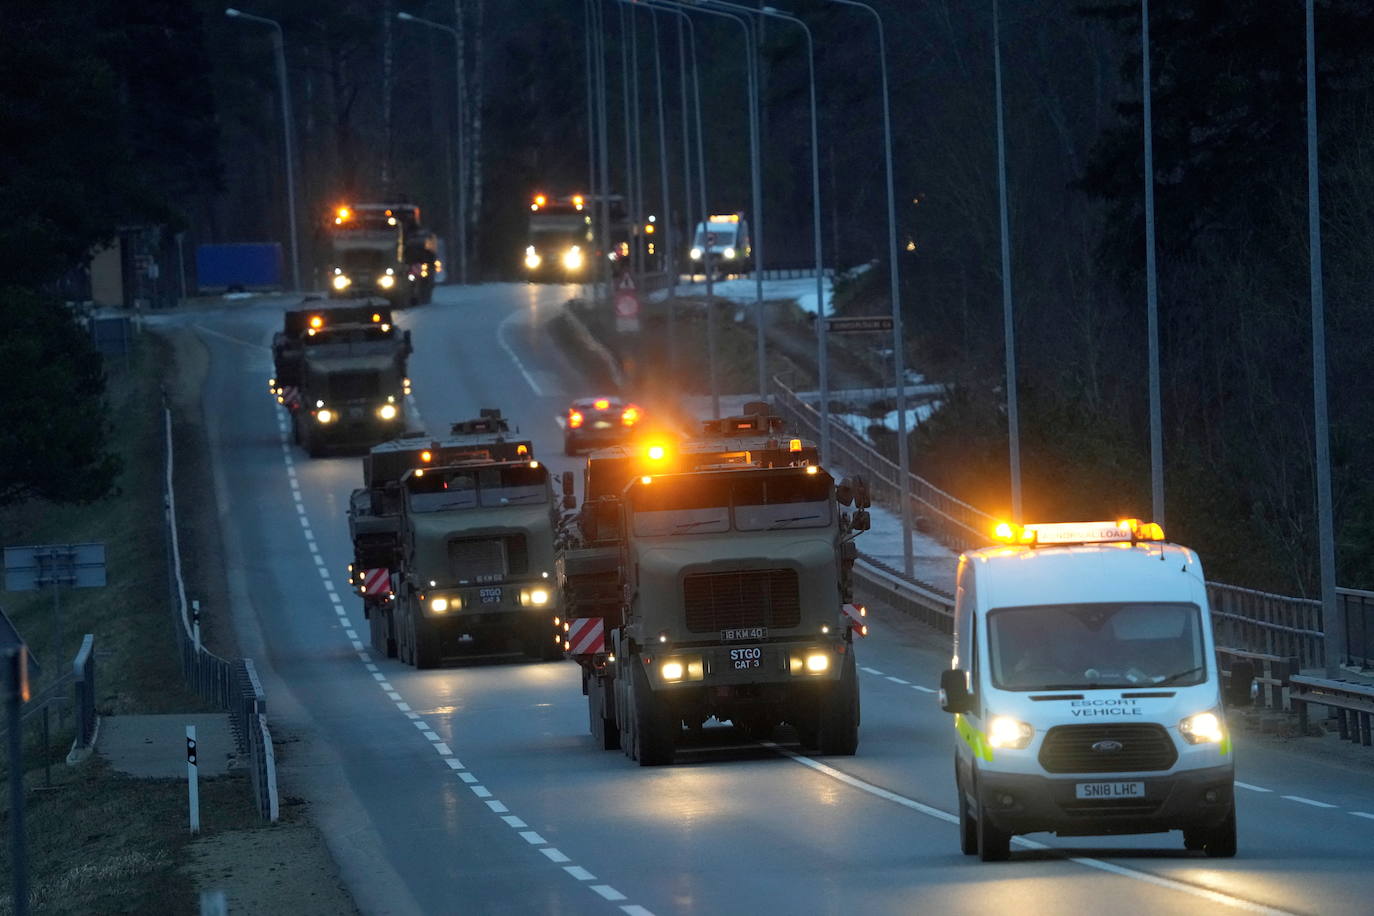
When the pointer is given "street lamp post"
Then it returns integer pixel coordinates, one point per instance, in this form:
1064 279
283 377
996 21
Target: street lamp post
279 50
668 234
1008 326
821 330
1151 281
460 145
898 356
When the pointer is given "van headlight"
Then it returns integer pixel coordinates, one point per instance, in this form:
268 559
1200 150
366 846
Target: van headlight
341 281
1203 728
1004 731
386 281
387 411
324 415
728 254
696 254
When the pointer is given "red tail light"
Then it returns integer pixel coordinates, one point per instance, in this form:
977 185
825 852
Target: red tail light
574 419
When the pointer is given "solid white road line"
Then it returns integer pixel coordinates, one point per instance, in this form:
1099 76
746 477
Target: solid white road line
1363 814
501 339
1246 785
1307 801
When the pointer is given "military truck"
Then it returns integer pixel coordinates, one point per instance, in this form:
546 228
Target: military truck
710 578
374 510
476 565
381 250
341 372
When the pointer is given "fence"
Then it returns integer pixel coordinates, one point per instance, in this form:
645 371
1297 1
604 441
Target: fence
80 681
1245 619
232 686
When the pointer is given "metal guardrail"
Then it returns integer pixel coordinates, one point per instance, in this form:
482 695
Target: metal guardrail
83 674
1359 624
232 686
1353 705
1266 623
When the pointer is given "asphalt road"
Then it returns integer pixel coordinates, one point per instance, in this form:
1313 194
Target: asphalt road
477 789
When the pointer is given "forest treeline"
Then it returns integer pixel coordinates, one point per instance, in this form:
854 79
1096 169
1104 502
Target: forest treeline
166 112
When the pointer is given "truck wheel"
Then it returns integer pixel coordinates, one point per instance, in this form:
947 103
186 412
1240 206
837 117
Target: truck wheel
994 845
426 645
296 427
839 731
603 727
1218 842
382 642
654 737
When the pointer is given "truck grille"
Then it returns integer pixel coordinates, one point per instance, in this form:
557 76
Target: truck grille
1069 749
742 598
488 559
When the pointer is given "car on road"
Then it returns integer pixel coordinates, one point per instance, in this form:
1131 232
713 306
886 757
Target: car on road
598 422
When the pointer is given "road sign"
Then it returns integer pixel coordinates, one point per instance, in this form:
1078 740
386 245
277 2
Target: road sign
73 565
626 304
858 324
625 281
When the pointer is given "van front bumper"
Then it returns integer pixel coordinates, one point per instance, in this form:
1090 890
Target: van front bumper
1187 799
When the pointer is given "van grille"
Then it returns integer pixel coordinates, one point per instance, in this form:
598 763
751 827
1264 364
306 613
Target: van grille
1069 749
742 598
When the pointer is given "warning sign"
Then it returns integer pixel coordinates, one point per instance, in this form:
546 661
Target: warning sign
626 304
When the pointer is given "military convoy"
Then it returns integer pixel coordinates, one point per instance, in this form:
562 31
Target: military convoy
341 372
711 578
453 546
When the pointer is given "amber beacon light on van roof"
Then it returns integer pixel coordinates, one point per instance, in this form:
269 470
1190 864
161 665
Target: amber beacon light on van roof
1126 530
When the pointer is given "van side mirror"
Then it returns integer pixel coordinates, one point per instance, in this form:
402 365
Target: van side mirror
844 492
1240 691
860 520
569 493
954 693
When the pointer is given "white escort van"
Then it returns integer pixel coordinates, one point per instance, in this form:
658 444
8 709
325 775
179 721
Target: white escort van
1086 692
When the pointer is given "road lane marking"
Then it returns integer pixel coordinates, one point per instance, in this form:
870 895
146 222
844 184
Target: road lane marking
534 839
480 791
501 339
580 873
1364 814
1307 801
497 806
513 821
872 671
897 680
608 892
420 724
443 749
1100 865
1246 785
922 688
555 854
456 764
467 777
635 909
403 707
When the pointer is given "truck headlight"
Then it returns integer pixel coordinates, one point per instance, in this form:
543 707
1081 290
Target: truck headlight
696 253
387 411
324 415
815 664
572 258
1203 728
672 671
438 605
1004 731
535 597
532 258
386 281
682 669
728 254
341 281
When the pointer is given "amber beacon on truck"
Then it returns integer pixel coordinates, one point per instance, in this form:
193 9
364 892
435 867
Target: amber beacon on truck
1086 693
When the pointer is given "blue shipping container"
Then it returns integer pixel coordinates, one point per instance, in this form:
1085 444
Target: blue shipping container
239 266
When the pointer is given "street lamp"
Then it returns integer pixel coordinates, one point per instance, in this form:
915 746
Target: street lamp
898 357
461 207
279 49
1151 281
1008 326
821 330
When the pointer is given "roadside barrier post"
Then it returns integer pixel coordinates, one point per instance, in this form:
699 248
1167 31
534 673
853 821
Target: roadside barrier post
195 623
192 783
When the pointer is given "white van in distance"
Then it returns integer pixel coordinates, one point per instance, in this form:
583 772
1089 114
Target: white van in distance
1085 689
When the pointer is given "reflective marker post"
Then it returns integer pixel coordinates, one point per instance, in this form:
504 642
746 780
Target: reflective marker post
192 778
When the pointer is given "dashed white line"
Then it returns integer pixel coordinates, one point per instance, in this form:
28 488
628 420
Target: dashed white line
370 666
385 685
412 715
608 892
467 777
357 644
1246 785
379 677
580 873
481 791
442 749
534 839
1307 801
403 707
455 764
501 339
922 688
421 724
513 821
555 854
635 909
430 735
498 807
872 671
1364 814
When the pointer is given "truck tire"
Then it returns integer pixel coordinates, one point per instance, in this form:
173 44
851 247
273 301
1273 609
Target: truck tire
839 731
425 641
383 643
993 844
604 729
652 723
1218 842
968 826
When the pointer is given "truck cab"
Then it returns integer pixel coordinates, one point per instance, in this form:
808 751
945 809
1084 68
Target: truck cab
374 513
1086 692
477 562
380 249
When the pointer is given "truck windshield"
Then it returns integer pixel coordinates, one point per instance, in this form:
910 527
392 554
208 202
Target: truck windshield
445 490
1096 646
693 505
367 258
725 234
353 386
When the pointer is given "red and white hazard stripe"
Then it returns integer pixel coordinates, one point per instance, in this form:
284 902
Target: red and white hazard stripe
586 636
858 614
376 582
291 397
